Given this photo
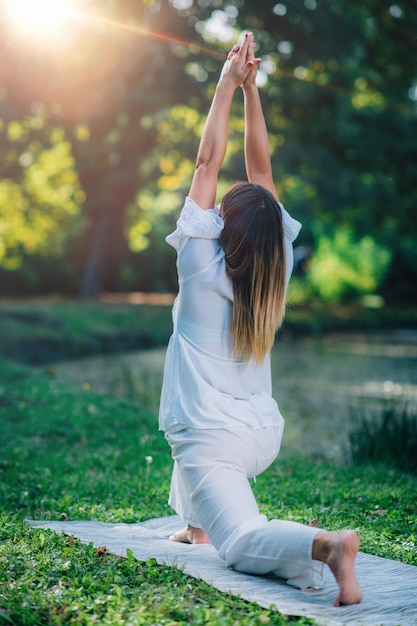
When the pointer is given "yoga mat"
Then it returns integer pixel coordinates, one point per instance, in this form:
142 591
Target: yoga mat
390 587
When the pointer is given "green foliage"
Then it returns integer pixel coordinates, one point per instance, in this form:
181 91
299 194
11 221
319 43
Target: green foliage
385 434
339 92
41 212
341 268
149 220
343 104
100 85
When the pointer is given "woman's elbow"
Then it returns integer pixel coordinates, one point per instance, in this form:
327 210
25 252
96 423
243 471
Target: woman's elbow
207 166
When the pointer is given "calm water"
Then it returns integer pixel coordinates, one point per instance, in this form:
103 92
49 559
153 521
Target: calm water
316 382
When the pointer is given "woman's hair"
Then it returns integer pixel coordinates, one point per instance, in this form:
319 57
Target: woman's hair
253 241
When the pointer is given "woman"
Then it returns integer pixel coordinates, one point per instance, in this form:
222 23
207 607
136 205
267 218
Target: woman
216 409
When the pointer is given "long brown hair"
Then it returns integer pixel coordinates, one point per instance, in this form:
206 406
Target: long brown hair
253 241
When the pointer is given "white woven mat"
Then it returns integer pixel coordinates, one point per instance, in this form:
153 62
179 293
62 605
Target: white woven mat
390 587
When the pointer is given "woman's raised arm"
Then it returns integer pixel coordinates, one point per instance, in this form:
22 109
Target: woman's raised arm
257 154
214 139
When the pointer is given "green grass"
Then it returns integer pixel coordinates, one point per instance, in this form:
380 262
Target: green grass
67 452
317 318
44 332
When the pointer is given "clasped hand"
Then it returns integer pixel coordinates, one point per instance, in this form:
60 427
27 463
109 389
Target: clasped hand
241 65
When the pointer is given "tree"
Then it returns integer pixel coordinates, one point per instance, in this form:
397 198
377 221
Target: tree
119 64
340 96
339 86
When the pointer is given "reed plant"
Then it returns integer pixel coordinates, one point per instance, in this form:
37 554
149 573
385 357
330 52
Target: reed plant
385 432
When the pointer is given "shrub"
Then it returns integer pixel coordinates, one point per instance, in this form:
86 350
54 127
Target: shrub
342 268
387 435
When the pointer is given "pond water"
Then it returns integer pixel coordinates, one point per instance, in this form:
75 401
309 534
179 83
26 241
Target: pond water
317 382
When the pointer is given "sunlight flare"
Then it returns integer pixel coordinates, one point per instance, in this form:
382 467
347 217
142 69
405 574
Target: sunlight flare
38 15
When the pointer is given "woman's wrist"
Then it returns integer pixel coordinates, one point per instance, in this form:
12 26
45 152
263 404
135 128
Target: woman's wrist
251 88
226 83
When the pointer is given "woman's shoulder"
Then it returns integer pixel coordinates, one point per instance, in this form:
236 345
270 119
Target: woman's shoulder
196 223
291 226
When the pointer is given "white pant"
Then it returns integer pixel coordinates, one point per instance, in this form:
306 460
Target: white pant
210 490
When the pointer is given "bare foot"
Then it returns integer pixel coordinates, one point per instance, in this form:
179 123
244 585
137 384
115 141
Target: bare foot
190 534
338 550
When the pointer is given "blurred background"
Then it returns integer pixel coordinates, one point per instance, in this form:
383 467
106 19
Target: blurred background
102 104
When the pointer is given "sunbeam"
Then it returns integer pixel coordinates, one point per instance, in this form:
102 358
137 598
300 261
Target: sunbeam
39 15
97 21
47 20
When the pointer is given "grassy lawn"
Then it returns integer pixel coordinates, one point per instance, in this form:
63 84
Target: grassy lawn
45 331
67 452
42 332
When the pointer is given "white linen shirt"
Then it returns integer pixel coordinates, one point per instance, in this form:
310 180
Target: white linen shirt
205 385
